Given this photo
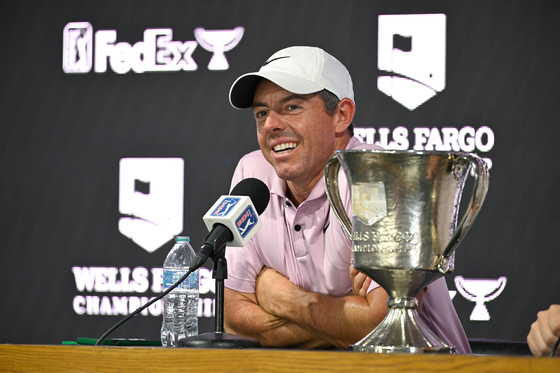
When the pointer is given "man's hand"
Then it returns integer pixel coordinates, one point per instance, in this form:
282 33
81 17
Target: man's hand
545 331
360 282
269 282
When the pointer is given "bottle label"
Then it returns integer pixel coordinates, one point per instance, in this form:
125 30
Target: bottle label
170 277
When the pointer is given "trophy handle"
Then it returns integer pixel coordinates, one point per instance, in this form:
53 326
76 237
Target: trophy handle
332 169
481 180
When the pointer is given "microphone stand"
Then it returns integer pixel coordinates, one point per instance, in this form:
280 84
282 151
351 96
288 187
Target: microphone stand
219 339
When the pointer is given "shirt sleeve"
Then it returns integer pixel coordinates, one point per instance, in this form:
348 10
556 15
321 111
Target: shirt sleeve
244 263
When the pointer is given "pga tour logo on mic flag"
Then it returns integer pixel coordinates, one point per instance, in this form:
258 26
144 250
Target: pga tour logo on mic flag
225 207
238 214
246 221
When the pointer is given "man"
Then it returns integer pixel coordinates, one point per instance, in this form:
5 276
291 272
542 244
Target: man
545 332
291 285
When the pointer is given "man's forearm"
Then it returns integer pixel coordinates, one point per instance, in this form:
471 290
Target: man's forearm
341 321
244 317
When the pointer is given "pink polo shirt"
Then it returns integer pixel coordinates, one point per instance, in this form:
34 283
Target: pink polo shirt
308 245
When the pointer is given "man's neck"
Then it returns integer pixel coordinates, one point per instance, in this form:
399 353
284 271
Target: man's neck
298 194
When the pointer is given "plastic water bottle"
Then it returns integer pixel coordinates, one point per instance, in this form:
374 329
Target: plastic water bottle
180 306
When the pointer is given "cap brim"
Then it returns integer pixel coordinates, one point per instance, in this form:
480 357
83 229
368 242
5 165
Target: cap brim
243 89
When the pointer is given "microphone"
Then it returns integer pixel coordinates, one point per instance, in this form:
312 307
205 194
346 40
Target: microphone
233 219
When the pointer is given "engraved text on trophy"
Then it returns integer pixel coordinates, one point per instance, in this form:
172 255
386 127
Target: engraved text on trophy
384 242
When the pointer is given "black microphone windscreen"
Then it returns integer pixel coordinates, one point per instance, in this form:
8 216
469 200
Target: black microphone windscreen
254 189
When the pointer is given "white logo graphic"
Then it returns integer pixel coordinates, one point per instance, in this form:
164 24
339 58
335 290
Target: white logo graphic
465 139
413 47
105 290
151 194
480 291
155 53
77 47
218 41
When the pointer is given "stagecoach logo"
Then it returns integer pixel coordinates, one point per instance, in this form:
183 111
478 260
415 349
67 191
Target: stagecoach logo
156 52
151 200
412 48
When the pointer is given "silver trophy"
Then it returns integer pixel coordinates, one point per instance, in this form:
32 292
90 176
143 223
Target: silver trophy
404 230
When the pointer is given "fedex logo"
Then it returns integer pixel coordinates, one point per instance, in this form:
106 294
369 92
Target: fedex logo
246 221
156 52
226 206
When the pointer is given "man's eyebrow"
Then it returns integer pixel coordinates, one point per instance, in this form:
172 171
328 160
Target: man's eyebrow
258 104
291 97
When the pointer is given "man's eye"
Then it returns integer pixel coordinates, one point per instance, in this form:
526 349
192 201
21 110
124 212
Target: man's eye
260 114
293 107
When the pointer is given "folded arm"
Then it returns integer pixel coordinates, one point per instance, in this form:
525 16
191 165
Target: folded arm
244 316
283 314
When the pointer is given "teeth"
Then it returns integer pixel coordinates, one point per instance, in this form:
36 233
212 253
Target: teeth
287 146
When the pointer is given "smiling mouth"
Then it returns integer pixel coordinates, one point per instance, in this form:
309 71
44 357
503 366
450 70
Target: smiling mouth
285 148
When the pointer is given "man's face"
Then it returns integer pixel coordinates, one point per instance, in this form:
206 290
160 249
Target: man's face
295 134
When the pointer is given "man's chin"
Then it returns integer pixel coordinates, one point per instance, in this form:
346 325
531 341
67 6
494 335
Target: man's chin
287 174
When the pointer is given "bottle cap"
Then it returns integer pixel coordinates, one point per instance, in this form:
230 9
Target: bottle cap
182 238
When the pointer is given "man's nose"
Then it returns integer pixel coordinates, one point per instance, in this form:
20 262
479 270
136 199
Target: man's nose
274 122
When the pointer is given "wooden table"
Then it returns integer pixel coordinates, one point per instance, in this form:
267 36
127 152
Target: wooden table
48 358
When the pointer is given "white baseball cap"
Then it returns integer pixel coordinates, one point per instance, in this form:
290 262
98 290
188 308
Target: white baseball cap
299 70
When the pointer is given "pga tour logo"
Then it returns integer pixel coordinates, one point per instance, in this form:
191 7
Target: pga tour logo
246 221
226 206
156 52
412 48
77 47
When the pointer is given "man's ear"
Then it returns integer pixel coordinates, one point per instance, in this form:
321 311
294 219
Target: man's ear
344 114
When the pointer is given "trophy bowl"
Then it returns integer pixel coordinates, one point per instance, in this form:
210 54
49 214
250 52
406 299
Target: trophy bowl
404 230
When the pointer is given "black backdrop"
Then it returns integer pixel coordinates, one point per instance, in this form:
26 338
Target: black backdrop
62 137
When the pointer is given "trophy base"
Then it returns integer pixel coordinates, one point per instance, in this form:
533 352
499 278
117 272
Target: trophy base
402 331
403 350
